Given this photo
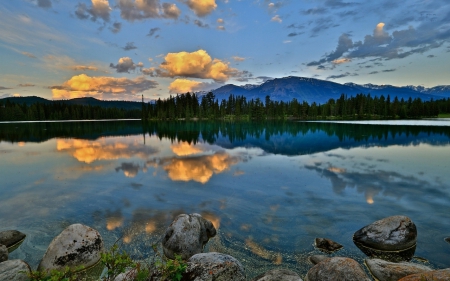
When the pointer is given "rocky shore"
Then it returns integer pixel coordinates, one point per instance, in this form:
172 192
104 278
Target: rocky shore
389 243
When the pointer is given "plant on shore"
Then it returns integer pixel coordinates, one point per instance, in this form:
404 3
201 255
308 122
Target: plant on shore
66 274
171 269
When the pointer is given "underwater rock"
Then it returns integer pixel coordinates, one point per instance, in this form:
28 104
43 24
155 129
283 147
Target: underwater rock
187 235
447 239
280 274
392 271
393 238
14 270
337 268
11 239
214 266
327 245
315 259
77 245
435 275
3 253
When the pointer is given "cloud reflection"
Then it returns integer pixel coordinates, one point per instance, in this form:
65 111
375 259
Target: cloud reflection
185 149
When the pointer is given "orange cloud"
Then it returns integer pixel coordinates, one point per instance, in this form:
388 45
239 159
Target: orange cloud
340 61
185 149
184 86
198 64
110 87
202 7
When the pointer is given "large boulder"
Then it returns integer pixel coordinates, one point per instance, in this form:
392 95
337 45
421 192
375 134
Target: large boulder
435 275
392 271
279 274
14 270
77 245
393 238
11 239
187 235
315 259
327 245
3 253
337 268
214 266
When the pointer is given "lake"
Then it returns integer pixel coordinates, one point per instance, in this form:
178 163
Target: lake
269 188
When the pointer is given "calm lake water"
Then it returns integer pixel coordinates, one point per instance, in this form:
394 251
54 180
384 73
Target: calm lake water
270 188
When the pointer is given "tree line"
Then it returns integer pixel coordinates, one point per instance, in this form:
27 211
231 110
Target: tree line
361 106
11 111
190 106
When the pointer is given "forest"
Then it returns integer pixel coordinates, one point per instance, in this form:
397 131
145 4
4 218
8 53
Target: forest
207 107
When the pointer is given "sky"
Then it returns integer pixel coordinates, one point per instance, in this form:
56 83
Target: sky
123 49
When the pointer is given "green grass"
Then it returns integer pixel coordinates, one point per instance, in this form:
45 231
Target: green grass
444 115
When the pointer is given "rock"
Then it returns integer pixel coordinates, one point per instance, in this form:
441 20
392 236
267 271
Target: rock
327 245
77 245
214 266
187 235
391 271
3 253
337 268
315 259
435 275
14 270
11 239
128 275
388 234
278 275
447 239
393 238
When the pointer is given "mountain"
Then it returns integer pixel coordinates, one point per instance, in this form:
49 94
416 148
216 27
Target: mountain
127 105
320 91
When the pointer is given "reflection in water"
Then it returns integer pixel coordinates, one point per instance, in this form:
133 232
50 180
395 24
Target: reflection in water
184 149
130 170
102 149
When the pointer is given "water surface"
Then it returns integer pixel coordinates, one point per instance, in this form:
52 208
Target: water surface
269 188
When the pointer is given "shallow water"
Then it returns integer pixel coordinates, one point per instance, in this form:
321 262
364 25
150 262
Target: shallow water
270 189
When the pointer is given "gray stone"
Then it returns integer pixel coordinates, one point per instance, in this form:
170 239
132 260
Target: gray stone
187 235
11 238
3 253
77 245
280 274
435 275
14 270
315 259
393 271
327 245
335 269
127 276
389 234
214 266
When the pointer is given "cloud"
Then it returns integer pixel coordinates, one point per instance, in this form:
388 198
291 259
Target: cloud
199 23
338 3
44 4
344 44
292 34
116 27
221 27
389 70
236 58
314 11
373 72
28 55
273 7
153 31
185 149
202 7
276 18
67 63
184 86
341 61
4 88
98 9
25 85
102 87
130 170
144 9
125 65
129 46
338 76
220 21
198 64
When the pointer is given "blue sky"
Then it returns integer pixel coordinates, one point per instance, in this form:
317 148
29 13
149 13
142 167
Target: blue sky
122 49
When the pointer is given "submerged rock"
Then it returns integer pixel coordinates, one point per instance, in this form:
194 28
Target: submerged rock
315 259
393 238
327 245
11 239
435 275
280 274
392 271
3 253
214 266
447 239
14 270
337 268
187 235
77 245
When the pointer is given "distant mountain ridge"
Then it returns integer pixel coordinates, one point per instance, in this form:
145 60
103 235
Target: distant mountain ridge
320 91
